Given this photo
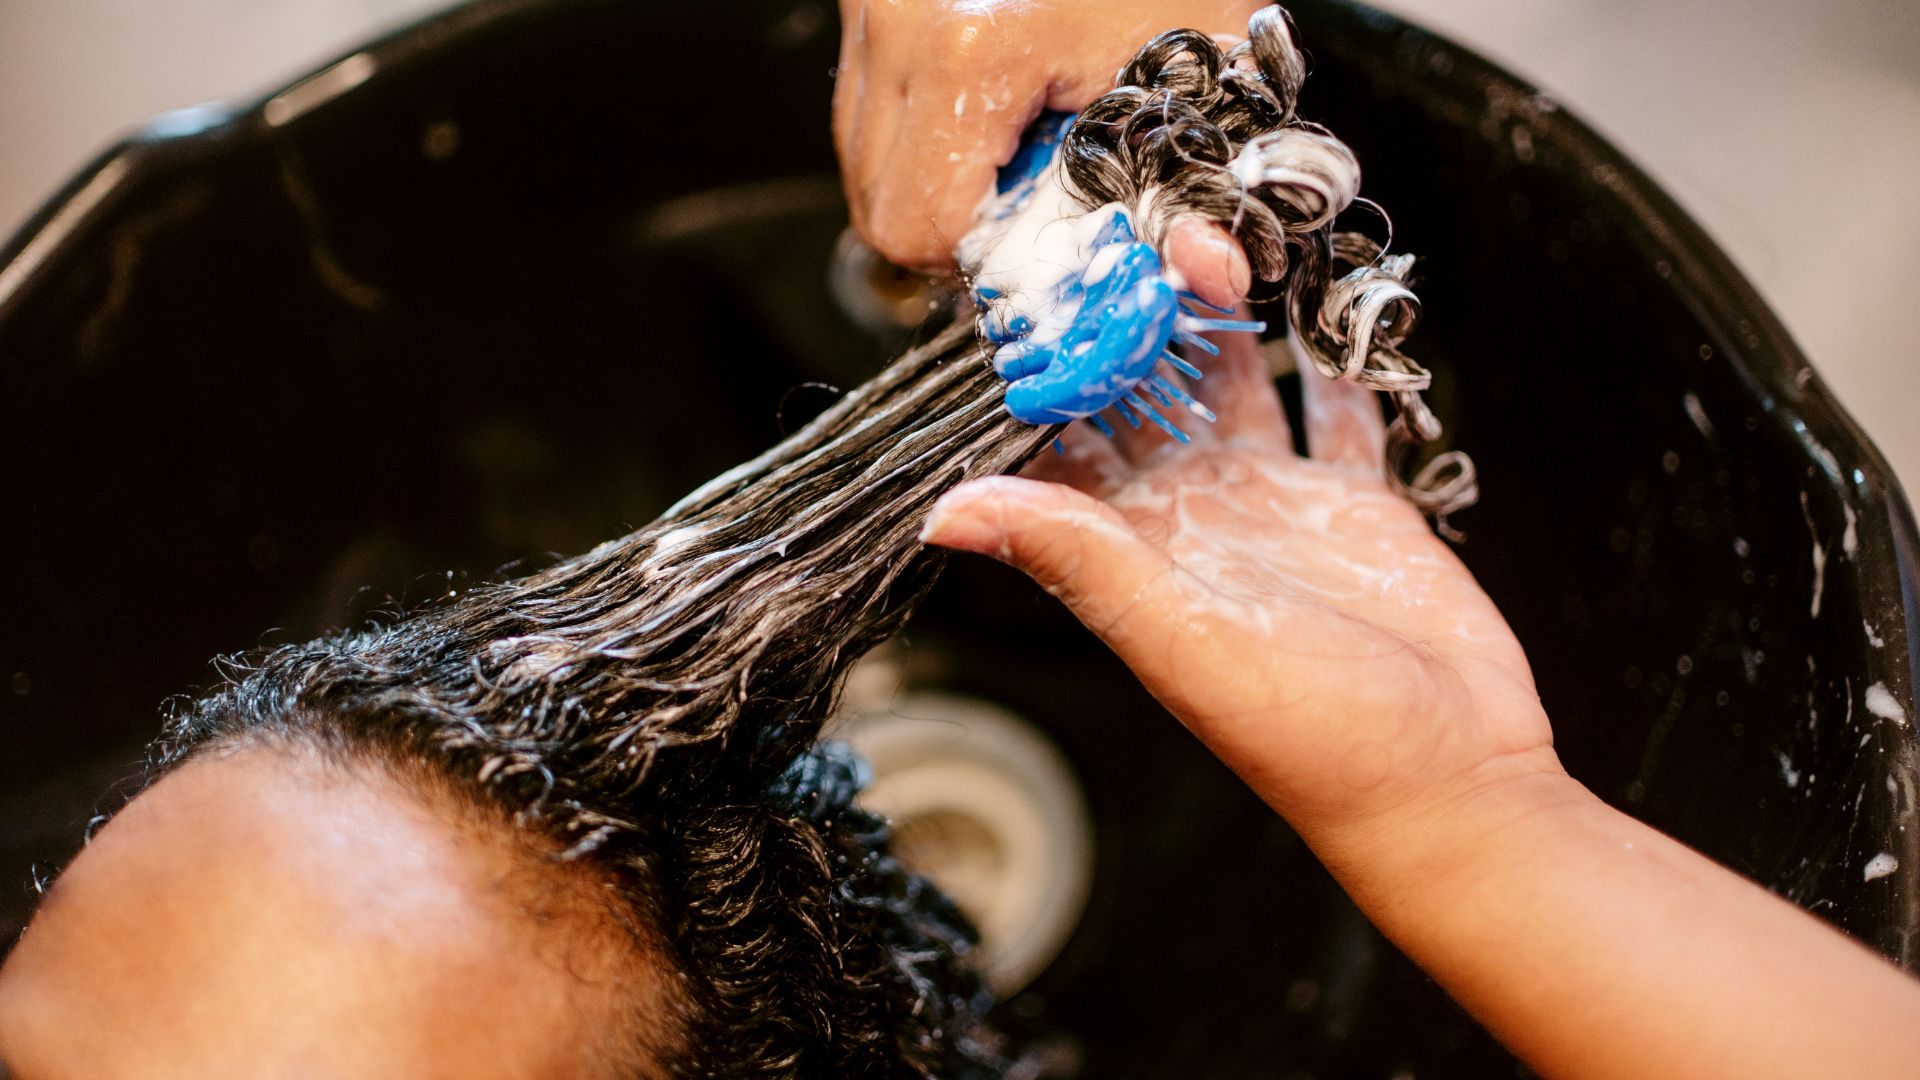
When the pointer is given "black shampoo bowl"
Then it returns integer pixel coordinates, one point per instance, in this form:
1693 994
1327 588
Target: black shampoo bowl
507 282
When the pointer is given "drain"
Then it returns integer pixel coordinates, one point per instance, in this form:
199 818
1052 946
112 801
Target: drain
877 294
983 804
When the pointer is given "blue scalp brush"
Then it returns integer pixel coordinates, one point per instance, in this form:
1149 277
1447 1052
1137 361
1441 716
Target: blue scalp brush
1078 308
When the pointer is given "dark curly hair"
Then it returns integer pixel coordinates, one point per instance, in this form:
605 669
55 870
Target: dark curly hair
651 709
1191 129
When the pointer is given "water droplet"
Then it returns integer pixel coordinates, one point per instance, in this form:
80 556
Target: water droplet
440 140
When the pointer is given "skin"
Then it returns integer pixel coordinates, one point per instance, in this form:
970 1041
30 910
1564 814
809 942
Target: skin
263 913
295 919
933 95
1310 629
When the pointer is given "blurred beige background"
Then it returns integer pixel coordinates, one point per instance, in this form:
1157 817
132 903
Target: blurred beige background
1791 129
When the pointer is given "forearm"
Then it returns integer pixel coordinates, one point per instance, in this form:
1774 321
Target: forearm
1594 946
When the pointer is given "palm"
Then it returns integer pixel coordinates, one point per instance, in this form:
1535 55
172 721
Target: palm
1292 607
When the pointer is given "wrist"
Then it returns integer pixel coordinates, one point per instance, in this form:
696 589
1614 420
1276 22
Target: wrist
1450 837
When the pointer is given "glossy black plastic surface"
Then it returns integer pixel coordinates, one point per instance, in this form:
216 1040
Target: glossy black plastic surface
508 282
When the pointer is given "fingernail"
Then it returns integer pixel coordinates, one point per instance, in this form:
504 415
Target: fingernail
1239 270
1234 261
956 521
948 525
936 521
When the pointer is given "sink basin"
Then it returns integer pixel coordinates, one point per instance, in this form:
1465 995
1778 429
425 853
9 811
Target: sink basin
504 284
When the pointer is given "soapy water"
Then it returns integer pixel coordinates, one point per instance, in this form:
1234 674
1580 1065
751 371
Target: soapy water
1307 573
1273 539
1079 311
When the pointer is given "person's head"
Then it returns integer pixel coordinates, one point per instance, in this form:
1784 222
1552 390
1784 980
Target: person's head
325 880
579 822
572 825
273 908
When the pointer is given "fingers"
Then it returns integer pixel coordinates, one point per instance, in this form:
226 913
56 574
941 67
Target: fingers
865 110
1208 261
1138 440
1239 389
933 96
1076 547
922 193
1087 461
1343 419
937 101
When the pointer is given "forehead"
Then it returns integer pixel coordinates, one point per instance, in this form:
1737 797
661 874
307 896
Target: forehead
264 913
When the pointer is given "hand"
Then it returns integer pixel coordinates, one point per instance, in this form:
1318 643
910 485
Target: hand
1298 616
933 96
1307 625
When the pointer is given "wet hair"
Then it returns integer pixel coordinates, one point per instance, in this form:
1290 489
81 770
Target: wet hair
652 708
1190 129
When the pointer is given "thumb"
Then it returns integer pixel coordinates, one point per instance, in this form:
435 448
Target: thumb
1076 547
1209 260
